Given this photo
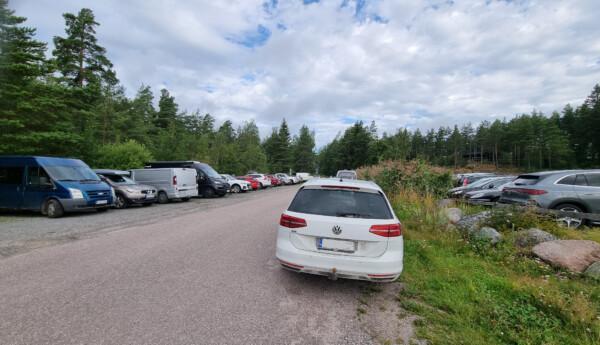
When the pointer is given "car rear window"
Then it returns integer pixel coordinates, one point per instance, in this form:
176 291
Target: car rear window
526 180
341 203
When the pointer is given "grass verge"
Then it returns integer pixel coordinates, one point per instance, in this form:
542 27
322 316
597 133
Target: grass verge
473 293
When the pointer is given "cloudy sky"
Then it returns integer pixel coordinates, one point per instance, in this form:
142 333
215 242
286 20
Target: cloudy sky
415 64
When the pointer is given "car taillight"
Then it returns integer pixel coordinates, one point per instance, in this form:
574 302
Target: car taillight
291 222
387 230
527 191
174 180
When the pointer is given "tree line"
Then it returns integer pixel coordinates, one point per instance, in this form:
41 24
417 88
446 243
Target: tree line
569 139
72 104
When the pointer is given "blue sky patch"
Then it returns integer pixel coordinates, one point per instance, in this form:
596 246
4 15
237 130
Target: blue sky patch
253 38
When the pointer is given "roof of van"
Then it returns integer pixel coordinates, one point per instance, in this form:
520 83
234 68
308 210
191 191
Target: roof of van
46 160
343 183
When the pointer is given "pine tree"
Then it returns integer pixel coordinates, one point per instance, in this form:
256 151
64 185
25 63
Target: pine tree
79 57
167 110
303 151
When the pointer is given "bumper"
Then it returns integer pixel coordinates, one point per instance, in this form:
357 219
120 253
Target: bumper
141 200
74 205
384 268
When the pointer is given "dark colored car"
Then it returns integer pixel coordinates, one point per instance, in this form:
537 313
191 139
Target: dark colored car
483 183
490 192
210 182
127 191
51 185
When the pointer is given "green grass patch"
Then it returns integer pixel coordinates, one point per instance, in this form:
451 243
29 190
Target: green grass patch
474 293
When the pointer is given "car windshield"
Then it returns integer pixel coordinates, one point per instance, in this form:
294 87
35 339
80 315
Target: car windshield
120 180
341 203
526 180
71 173
208 170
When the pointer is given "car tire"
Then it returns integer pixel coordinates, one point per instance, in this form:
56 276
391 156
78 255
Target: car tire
163 198
208 192
260 186
54 209
121 202
236 188
570 222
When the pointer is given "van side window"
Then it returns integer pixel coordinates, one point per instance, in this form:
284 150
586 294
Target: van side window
11 175
580 181
593 179
37 177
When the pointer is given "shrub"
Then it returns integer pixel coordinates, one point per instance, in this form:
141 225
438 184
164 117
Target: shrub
124 156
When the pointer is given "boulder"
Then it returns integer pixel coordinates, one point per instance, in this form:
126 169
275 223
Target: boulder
593 271
487 234
573 255
453 214
533 236
471 223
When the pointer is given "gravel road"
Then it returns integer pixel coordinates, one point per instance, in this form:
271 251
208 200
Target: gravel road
202 272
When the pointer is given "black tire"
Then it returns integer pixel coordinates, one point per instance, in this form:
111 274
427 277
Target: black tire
121 202
236 188
163 198
54 209
570 222
208 192
260 186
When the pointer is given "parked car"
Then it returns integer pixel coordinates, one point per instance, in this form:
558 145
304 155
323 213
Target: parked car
275 182
253 182
170 183
489 193
484 183
341 228
346 174
285 179
304 176
467 179
567 190
236 185
51 185
264 181
127 191
210 183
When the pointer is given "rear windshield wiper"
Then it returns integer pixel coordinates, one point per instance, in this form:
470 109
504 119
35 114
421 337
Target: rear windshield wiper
351 215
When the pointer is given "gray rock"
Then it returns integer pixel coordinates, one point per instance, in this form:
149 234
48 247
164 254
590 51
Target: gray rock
533 236
471 223
573 255
487 234
593 271
453 214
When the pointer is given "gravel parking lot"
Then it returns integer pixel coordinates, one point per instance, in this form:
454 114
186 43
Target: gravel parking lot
24 231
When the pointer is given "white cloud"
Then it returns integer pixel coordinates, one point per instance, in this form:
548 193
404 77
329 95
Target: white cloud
401 63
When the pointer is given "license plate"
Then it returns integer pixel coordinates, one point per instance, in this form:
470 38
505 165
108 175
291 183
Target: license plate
101 202
149 196
336 245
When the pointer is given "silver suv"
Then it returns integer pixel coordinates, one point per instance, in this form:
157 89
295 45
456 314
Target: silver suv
568 190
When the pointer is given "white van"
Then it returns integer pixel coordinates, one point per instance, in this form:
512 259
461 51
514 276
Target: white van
170 183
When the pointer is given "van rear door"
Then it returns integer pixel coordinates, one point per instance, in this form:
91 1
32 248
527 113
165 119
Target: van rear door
11 186
185 181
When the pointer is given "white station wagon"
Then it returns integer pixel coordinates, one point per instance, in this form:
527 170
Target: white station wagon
341 229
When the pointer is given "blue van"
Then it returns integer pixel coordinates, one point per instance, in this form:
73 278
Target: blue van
51 185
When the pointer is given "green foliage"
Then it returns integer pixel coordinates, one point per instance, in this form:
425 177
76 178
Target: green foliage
124 156
470 293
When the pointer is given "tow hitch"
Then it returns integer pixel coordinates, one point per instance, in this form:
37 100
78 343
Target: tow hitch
333 274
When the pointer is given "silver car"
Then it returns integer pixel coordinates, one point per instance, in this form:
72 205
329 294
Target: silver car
567 190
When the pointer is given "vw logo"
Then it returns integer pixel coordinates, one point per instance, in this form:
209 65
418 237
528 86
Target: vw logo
336 229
